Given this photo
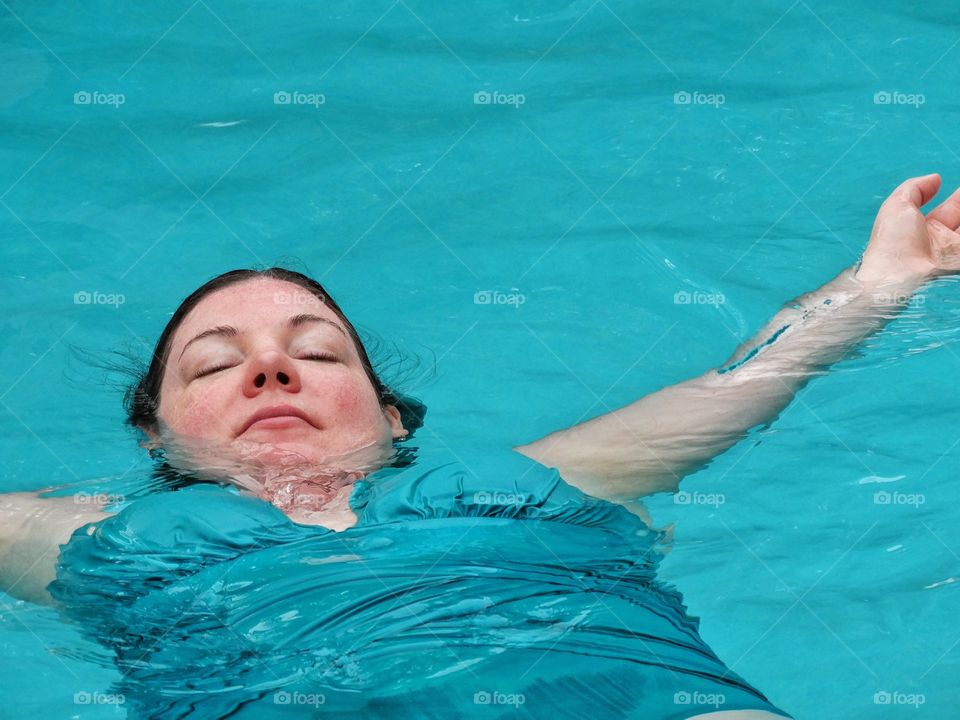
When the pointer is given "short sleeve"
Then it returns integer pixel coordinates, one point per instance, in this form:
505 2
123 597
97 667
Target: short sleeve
484 482
155 540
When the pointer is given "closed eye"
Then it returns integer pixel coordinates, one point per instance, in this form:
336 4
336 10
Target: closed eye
322 357
211 370
319 357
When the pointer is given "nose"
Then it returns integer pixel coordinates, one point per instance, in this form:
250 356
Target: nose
271 370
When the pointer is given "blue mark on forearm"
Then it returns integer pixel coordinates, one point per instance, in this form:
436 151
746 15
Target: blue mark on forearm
750 355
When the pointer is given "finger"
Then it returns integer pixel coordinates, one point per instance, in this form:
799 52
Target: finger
918 190
948 212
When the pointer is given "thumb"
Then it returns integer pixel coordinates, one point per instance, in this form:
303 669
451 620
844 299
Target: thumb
918 191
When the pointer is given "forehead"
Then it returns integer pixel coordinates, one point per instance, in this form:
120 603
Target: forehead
250 303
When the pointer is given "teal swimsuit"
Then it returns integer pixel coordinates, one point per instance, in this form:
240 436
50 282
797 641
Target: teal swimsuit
475 584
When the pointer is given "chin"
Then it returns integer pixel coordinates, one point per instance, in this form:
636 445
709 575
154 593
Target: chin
290 448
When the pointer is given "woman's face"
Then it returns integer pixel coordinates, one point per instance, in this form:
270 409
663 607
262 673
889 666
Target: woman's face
275 345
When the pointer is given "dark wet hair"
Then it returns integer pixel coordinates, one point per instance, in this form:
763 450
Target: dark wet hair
142 399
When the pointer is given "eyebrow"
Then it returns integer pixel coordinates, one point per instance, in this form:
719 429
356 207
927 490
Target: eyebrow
230 331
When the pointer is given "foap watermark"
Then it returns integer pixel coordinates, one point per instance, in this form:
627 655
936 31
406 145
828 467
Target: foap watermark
282 697
87 697
496 297
695 697
85 498
495 697
683 97
283 97
685 297
885 497
683 497
485 97
95 97
886 697
83 297
897 298
887 97
499 498
295 297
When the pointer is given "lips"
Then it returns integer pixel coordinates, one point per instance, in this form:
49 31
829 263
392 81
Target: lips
276 411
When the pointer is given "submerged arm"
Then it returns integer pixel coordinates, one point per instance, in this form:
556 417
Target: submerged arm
32 529
650 444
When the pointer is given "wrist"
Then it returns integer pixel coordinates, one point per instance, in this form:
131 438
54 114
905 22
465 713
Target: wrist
867 271
888 289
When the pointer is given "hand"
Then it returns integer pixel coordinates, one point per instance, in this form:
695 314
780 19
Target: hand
905 246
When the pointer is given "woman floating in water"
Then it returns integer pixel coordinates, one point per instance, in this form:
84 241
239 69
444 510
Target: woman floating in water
307 556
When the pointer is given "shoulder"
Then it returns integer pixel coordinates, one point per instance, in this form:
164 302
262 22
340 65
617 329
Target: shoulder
161 537
478 480
183 528
189 514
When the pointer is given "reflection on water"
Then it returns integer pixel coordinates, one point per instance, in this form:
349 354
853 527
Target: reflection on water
291 482
276 474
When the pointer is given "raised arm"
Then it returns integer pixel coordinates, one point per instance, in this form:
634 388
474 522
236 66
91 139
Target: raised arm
650 444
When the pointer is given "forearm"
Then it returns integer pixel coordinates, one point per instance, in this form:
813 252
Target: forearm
817 329
650 444
763 375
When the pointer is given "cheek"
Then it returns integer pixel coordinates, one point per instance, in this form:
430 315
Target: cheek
355 400
198 414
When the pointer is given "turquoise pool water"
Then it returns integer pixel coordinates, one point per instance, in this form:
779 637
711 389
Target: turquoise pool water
617 155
